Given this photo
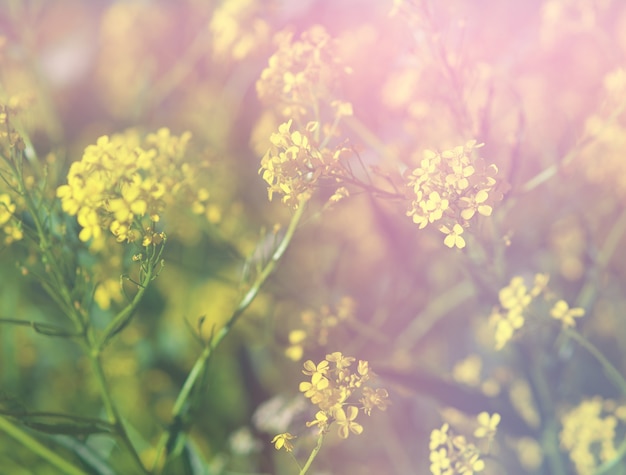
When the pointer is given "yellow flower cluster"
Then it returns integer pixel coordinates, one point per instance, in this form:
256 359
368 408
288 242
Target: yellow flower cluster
317 326
450 188
237 30
452 454
301 72
588 433
607 139
9 224
124 185
514 300
334 387
294 163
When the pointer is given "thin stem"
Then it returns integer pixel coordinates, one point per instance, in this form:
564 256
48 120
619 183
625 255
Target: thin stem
314 453
111 409
122 317
38 448
201 362
611 371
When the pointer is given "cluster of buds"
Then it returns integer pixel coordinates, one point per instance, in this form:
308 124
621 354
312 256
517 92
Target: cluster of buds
450 188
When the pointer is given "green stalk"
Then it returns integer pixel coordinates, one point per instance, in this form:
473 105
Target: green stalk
122 317
61 294
111 409
200 364
38 448
611 371
314 453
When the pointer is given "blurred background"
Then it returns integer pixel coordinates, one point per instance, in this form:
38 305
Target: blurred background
538 82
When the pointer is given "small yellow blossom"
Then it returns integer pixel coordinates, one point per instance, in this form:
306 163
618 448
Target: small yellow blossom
372 398
470 466
439 436
283 441
487 425
468 370
440 462
561 311
453 236
321 420
346 422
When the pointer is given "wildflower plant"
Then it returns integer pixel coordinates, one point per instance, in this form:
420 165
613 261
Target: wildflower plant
335 387
148 322
453 454
450 188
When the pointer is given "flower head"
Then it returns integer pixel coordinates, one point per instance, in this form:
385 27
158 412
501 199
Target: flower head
284 441
561 311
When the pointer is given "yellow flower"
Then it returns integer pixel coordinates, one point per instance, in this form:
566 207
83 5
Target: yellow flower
283 440
515 295
341 362
439 436
374 398
440 462
321 420
471 465
468 370
346 422
435 206
317 372
561 311
453 237
487 425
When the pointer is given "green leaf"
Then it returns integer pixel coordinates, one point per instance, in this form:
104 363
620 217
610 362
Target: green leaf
56 423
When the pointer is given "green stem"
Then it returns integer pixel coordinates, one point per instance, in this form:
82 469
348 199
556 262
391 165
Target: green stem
61 294
314 453
111 409
38 448
609 464
248 298
58 281
122 317
612 373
